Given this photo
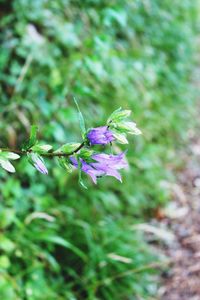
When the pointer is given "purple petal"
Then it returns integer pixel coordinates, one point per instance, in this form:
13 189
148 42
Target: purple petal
104 165
114 161
100 135
74 161
39 165
88 169
115 174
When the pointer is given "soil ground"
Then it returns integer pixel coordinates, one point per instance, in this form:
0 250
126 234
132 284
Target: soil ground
181 281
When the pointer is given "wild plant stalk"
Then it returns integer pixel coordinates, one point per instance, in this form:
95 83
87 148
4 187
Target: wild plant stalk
47 154
82 156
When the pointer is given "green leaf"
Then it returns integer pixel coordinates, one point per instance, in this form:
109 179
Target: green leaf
6 244
120 137
4 262
128 127
33 135
118 115
62 242
81 120
7 217
41 148
32 139
69 148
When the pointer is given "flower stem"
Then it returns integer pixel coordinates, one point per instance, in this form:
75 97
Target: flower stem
47 154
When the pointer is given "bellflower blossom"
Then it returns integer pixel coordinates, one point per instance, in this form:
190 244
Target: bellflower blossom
103 165
110 164
38 164
100 135
81 155
88 169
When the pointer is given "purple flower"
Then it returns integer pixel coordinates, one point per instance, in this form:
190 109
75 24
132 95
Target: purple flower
39 164
86 168
100 135
104 165
110 164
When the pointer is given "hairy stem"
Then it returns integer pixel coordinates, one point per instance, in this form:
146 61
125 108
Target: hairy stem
47 154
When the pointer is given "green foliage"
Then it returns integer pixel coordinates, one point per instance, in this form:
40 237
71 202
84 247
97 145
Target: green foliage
33 138
120 127
59 241
69 147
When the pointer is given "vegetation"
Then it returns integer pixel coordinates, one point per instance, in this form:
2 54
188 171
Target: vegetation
58 240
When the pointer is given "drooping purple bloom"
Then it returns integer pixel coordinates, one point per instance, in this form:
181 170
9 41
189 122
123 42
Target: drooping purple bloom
104 165
86 168
110 164
39 164
100 135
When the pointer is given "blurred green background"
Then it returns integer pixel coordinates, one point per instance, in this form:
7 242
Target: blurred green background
58 241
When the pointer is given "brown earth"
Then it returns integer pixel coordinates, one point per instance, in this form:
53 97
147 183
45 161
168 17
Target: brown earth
181 281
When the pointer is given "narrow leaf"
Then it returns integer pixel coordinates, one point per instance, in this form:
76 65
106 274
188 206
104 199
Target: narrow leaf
81 120
33 135
32 139
62 242
80 174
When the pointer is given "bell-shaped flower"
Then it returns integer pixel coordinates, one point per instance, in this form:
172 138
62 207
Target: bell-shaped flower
38 163
103 165
100 135
110 164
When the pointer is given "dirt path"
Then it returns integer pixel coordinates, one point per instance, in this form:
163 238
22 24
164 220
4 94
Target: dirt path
182 218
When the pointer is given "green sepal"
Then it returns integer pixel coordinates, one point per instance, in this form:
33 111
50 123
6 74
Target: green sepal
65 164
81 120
86 153
80 181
